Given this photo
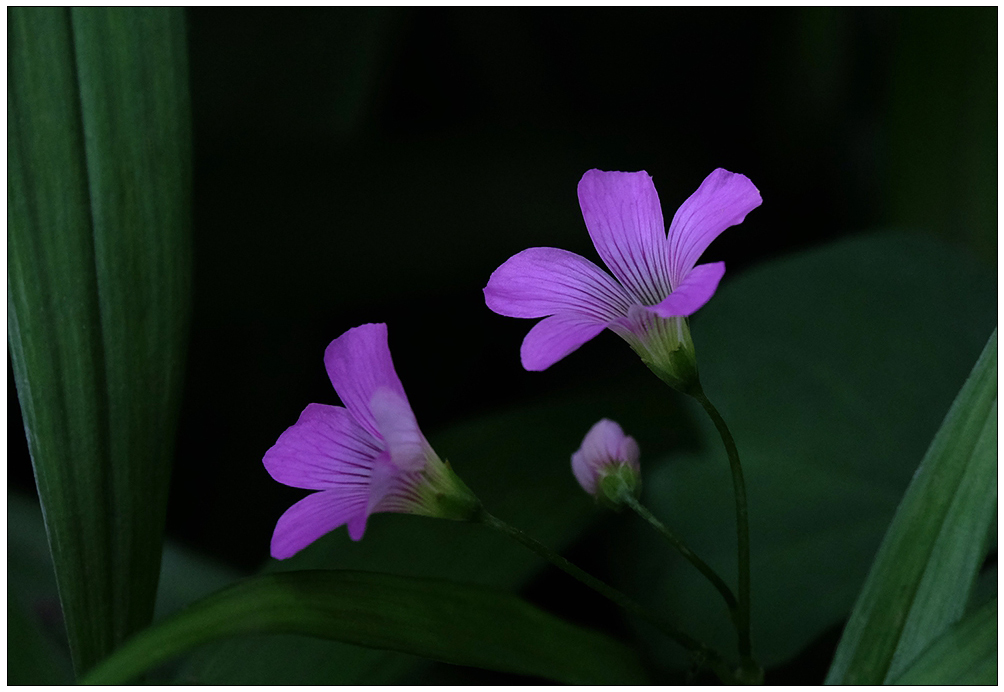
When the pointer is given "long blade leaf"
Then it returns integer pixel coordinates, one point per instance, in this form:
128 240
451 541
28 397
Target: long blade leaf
98 272
964 655
928 561
462 624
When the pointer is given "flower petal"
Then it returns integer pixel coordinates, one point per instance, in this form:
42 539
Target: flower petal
325 448
723 199
357 526
555 337
359 363
397 425
695 290
629 452
605 444
585 473
624 218
315 515
542 281
389 489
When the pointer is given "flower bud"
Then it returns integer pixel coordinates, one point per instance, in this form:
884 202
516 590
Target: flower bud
606 465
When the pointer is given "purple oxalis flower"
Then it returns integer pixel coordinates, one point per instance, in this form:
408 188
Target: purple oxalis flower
369 456
607 462
658 281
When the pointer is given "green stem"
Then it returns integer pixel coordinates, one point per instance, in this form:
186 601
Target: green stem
742 525
705 569
712 657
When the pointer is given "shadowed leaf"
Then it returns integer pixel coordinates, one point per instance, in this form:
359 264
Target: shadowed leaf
98 274
921 579
456 623
966 654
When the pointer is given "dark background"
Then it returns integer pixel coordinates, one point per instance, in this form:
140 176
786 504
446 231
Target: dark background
357 165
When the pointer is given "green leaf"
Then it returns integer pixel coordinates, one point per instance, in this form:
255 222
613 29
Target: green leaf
98 274
834 368
31 657
461 624
923 574
184 577
966 654
516 461
37 654
984 589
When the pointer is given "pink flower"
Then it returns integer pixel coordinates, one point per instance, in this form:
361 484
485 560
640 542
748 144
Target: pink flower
369 456
658 281
607 462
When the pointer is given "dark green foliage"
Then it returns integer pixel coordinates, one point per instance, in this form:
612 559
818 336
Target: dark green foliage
965 654
439 620
98 275
922 577
834 369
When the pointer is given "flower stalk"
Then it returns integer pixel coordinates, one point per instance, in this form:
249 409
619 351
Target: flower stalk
638 508
702 651
742 527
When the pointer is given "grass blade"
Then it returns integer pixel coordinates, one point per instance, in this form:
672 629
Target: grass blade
922 576
462 624
98 271
964 655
